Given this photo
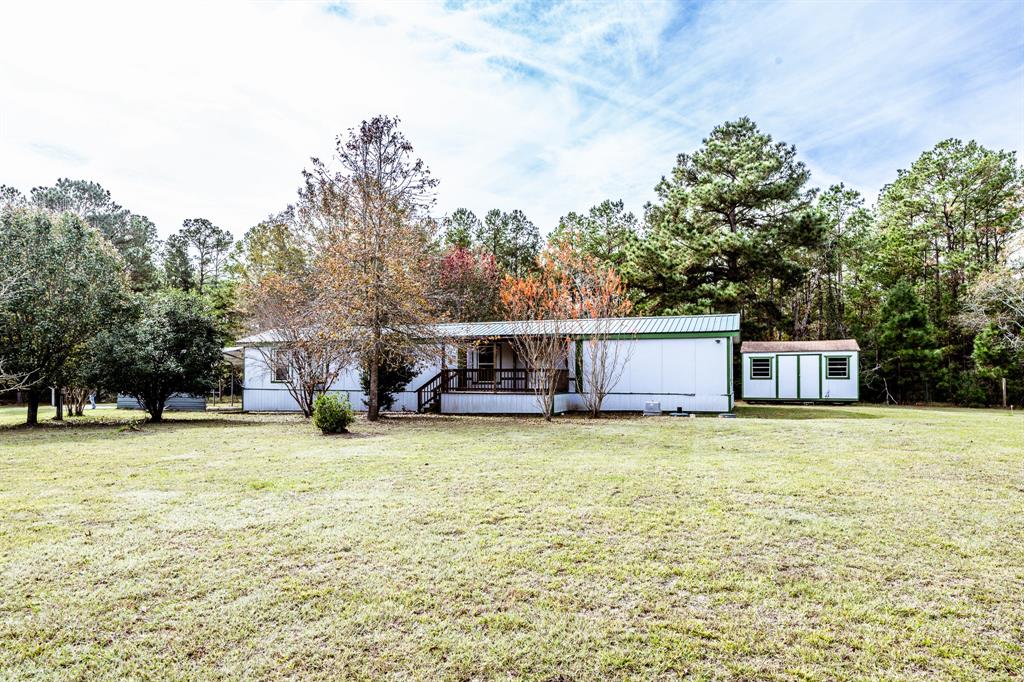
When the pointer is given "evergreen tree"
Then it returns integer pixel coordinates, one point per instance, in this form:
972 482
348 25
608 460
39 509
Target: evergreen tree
511 238
395 375
70 284
133 236
834 283
731 231
208 247
605 232
273 247
459 229
944 221
907 346
178 271
171 346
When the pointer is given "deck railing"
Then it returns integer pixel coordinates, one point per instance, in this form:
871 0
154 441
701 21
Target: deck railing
486 379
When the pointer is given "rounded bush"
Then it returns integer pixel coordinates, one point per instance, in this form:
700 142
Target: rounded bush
331 415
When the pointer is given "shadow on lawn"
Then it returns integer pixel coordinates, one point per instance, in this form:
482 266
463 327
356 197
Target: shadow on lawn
124 424
797 412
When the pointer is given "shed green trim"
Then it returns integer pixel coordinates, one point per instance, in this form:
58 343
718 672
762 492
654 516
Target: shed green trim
802 400
728 365
776 377
750 367
849 359
821 374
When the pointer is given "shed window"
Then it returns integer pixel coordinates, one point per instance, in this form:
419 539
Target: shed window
760 368
837 368
279 366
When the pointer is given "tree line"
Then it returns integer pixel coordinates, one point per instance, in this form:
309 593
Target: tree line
928 280
358 269
91 299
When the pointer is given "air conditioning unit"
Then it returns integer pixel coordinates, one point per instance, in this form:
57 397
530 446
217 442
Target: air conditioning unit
652 408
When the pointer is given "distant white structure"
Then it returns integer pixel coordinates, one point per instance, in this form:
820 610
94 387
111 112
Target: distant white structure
682 362
179 402
801 371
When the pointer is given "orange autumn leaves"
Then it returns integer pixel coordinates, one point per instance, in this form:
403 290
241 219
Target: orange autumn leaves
567 284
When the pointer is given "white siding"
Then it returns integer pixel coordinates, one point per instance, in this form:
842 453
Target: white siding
841 389
758 388
692 374
788 387
263 395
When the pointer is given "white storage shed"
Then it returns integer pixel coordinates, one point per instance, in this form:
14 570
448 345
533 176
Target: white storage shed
800 371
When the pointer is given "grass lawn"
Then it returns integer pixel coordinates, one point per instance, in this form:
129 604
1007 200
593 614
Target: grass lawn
790 543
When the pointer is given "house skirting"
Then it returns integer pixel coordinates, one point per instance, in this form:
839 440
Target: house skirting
499 403
526 403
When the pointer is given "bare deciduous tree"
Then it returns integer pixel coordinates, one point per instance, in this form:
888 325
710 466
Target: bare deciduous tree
996 300
302 351
597 296
370 224
539 303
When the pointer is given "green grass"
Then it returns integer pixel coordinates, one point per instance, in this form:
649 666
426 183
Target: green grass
791 543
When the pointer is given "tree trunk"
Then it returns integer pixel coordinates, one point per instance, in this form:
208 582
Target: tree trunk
156 413
1004 392
58 399
32 417
372 408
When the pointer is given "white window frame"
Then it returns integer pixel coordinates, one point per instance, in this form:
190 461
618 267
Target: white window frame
276 366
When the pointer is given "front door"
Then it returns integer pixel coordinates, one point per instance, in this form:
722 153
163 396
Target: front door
485 363
787 377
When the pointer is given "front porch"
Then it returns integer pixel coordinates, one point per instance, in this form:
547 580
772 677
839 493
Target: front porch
491 378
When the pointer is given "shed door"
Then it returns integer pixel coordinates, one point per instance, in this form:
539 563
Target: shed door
787 377
810 377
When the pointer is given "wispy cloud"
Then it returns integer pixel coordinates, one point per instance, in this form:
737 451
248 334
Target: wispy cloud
58 153
540 106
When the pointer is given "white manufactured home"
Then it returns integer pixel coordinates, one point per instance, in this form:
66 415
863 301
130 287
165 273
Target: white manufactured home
682 362
800 371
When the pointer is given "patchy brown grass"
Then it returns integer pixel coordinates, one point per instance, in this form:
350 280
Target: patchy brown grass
790 543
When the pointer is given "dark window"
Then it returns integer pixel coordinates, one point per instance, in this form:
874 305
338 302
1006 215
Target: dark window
485 363
837 368
279 364
760 368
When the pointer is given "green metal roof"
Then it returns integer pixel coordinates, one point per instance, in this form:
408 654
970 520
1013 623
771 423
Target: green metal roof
668 325
626 326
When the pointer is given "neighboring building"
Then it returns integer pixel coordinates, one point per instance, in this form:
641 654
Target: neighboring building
179 402
683 362
800 371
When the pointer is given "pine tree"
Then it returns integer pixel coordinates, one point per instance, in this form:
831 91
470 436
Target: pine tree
907 347
731 231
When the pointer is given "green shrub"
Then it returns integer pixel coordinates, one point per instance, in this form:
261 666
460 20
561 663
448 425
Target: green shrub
973 390
331 415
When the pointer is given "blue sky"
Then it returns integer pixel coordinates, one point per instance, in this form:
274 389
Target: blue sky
191 110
